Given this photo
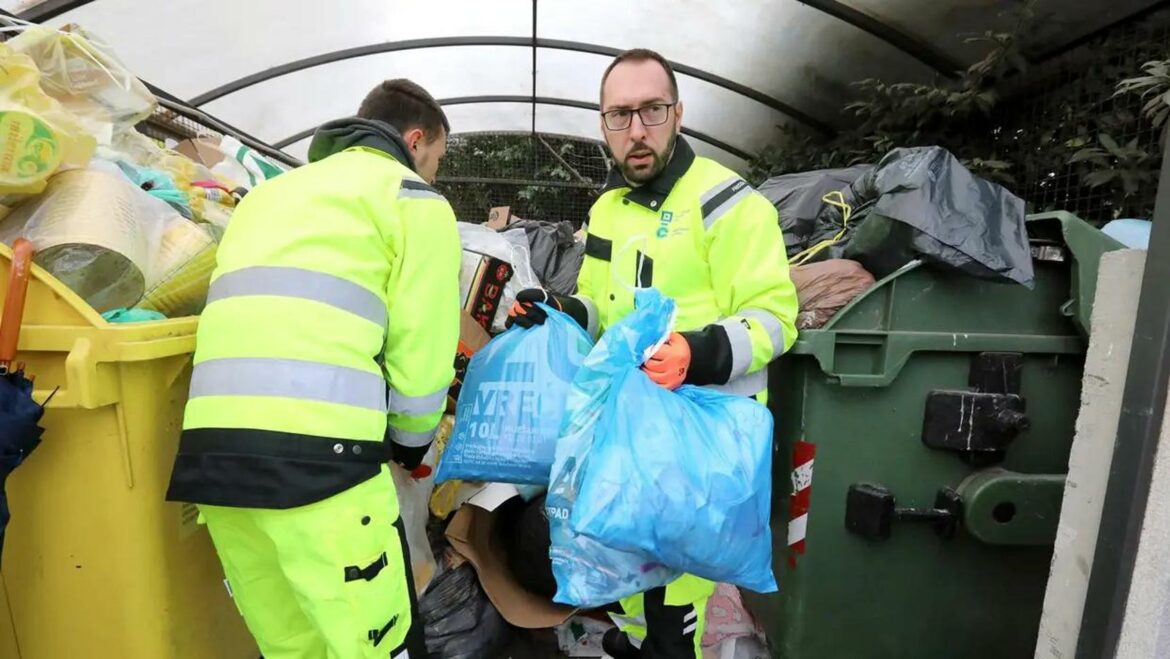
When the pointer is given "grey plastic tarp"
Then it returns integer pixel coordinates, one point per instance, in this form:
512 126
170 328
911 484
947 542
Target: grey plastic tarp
917 202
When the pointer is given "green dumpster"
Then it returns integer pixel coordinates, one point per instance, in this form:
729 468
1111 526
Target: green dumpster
922 440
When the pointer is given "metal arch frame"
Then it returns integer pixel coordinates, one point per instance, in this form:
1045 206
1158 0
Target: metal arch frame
1057 51
50 9
523 42
913 46
540 100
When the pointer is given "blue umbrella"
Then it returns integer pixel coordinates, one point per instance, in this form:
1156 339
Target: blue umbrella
20 415
20 432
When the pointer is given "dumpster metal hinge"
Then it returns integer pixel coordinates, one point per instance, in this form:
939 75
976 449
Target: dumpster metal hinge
979 423
871 510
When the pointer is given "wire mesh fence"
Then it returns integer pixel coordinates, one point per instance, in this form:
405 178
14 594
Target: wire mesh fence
1068 106
539 177
165 124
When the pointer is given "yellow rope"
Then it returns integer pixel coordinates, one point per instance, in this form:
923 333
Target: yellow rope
837 199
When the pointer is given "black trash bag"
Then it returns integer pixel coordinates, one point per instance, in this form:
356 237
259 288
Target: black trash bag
798 200
459 621
928 205
923 203
555 255
524 534
842 213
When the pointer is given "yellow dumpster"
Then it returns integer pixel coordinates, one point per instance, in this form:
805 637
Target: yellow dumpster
95 562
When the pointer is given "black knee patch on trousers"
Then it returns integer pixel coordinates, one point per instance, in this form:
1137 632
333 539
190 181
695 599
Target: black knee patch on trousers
666 628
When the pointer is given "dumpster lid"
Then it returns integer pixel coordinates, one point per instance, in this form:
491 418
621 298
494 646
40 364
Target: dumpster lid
1086 244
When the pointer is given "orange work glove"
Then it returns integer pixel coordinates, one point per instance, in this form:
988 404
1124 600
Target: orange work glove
668 367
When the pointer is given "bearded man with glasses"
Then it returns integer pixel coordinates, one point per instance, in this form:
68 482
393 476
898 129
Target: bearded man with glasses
699 233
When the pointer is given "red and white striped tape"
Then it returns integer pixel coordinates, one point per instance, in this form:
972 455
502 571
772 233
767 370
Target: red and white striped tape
802 472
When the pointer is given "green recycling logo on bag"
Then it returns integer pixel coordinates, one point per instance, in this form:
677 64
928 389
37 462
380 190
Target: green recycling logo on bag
28 149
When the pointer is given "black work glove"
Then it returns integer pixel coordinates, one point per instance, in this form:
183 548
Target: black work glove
524 311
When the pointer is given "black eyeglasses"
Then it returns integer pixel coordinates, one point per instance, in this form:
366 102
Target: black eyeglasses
654 114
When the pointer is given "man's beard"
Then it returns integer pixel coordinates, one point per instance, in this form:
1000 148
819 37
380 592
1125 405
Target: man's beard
638 177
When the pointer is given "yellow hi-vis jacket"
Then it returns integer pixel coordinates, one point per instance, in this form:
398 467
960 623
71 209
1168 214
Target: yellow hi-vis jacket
331 326
703 236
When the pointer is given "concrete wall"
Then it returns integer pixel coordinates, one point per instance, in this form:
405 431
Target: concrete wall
1106 364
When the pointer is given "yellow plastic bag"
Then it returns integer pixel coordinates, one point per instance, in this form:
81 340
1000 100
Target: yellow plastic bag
213 205
37 135
86 76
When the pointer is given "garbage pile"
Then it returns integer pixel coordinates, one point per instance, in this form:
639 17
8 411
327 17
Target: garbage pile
915 203
844 227
477 512
127 222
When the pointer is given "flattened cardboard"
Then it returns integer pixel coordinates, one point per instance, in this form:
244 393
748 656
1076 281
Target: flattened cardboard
202 150
470 534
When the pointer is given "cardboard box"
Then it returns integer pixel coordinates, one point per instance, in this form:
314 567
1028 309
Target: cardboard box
202 150
499 217
472 337
481 282
471 534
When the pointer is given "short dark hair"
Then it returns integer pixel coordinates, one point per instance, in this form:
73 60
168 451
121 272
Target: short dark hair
405 105
641 55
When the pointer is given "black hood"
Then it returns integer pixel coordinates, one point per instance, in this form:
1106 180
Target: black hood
337 136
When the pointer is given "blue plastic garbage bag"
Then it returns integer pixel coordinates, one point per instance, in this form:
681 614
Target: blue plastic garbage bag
509 412
685 476
681 475
589 573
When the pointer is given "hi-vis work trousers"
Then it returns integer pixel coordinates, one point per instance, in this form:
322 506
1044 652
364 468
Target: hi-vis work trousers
668 622
330 580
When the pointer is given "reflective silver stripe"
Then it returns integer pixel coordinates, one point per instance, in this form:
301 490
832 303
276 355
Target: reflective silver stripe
747 385
416 405
412 189
623 622
405 654
741 346
771 325
282 281
710 194
289 378
710 218
411 439
591 325
693 619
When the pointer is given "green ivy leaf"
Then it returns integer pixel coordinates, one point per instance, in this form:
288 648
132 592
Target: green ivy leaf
1098 179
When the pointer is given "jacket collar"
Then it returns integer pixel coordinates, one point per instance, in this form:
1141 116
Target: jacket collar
337 136
654 193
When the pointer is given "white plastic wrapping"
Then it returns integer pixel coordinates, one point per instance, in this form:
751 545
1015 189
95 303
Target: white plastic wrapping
414 496
96 232
479 241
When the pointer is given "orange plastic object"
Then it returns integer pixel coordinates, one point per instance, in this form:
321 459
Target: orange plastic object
18 275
